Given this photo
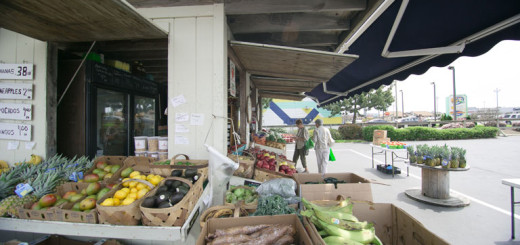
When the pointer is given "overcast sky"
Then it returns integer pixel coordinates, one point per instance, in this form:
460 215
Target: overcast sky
476 77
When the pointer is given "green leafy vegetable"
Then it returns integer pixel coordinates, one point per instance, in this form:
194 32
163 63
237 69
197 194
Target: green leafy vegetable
273 205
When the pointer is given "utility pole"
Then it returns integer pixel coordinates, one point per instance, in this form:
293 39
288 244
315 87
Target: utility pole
395 83
434 103
402 101
496 91
452 68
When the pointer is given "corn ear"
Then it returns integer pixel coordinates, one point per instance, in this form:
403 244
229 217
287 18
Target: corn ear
337 240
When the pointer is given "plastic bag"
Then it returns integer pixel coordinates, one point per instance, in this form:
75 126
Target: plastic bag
309 144
332 158
221 169
283 187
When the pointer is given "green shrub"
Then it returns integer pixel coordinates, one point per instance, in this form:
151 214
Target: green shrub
445 117
351 131
336 135
425 133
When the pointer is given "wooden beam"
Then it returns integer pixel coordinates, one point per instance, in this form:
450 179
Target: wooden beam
287 6
117 46
296 39
138 55
285 96
287 75
287 22
291 89
168 3
281 82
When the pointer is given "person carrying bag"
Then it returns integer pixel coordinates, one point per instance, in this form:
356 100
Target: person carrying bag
323 143
300 150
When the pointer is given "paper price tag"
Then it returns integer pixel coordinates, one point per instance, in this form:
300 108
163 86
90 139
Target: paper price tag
23 189
76 176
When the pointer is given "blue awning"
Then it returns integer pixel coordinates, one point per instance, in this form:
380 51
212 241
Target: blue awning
424 25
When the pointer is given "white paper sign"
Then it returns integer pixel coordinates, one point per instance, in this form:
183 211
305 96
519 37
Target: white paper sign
179 100
12 145
29 145
197 119
15 111
13 131
181 140
16 71
232 82
181 128
20 91
182 117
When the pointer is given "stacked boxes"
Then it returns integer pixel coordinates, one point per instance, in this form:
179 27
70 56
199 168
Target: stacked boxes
379 137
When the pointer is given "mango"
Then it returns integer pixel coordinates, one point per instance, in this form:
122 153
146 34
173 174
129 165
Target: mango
101 165
61 201
90 178
93 188
76 197
102 174
35 206
102 192
76 207
114 169
126 172
87 204
107 176
47 200
97 171
107 168
68 194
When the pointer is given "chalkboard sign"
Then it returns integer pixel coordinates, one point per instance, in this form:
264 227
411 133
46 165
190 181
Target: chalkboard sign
106 75
15 111
13 131
20 91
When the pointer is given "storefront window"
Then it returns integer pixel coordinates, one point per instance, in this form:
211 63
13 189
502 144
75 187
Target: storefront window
144 116
112 122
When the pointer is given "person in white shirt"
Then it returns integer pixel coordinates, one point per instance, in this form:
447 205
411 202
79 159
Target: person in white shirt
322 143
299 151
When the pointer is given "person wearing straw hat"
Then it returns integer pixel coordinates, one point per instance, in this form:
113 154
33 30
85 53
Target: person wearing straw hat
322 143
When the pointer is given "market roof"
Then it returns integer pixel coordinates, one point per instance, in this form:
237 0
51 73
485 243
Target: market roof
430 33
76 20
280 71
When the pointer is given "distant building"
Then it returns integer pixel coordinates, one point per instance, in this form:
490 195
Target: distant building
286 112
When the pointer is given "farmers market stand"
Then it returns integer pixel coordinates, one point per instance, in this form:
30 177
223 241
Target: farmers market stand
393 154
436 187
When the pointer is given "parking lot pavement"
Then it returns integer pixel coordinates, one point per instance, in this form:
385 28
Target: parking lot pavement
486 220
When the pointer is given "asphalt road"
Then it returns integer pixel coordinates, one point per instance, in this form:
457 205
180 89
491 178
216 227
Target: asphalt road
486 220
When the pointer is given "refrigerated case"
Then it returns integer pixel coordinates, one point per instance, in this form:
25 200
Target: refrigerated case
103 110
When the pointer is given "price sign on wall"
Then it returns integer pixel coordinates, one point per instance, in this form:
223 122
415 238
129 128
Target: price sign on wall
13 131
15 111
16 71
20 91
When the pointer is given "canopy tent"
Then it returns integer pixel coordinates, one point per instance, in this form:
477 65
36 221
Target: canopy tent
434 32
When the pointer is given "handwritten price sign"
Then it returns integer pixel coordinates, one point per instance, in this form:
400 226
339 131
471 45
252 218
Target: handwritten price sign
15 111
16 71
13 131
16 91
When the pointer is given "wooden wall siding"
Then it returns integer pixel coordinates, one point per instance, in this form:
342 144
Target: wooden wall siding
76 20
283 85
290 62
16 49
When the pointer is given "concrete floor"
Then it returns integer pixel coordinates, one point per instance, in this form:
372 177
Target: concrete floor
486 220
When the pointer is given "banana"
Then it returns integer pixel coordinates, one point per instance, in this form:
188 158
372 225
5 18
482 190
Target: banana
35 159
3 164
222 212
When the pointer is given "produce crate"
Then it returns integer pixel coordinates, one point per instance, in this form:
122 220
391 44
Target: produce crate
262 174
243 187
356 187
166 170
25 212
66 214
110 160
172 216
141 164
212 225
237 210
120 215
247 165
392 224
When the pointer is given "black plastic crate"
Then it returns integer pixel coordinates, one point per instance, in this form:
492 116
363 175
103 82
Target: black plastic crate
384 168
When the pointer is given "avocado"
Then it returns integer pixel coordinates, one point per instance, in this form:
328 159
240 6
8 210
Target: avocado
149 202
190 172
176 173
175 198
164 204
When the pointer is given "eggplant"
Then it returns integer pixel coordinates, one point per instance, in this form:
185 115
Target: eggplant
149 202
176 183
163 196
169 183
183 190
162 189
175 198
165 204
176 173
190 172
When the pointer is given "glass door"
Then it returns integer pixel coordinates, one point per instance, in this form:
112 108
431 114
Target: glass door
111 123
144 116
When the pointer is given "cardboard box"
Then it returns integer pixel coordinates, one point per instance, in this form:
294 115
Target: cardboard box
393 225
357 187
378 141
291 219
58 240
379 134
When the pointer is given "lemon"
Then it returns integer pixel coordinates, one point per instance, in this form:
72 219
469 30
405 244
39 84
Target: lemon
127 190
117 202
155 180
141 193
120 194
148 177
127 201
132 184
132 195
140 186
143 177
125 184
133 174
108 202
134 190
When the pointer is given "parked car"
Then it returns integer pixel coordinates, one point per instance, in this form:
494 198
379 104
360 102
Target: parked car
377 121
408 119
511 116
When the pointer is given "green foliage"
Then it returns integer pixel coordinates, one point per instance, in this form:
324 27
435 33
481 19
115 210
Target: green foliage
425 133
336 135
351 131
445 117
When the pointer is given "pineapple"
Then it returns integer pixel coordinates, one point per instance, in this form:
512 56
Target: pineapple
411 153
462 158
454 162
445 155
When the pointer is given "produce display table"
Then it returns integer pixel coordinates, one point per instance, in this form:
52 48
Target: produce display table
513 183
435 187
378 150
137 234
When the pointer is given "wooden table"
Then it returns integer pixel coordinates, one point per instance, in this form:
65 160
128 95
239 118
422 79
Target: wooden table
394 156
435 187
513 183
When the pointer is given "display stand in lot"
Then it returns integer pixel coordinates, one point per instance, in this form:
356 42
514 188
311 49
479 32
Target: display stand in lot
436 187
378 150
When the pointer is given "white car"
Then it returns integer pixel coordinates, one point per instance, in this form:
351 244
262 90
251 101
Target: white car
511 116
408 119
